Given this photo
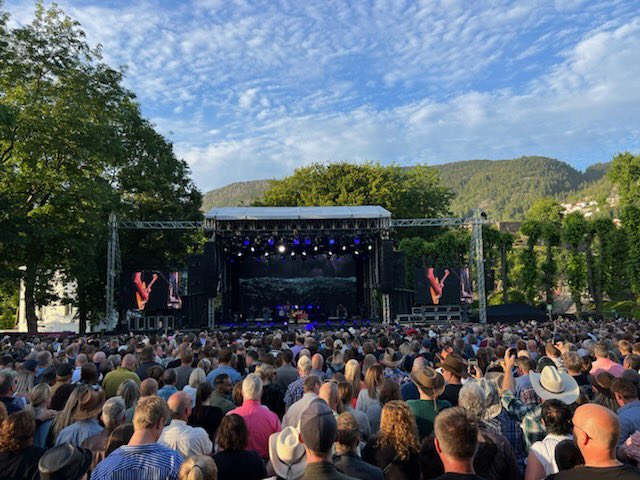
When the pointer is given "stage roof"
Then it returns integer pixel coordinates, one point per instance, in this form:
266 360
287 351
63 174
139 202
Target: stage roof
297 213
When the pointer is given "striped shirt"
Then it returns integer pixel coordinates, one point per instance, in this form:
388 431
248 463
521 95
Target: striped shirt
140 462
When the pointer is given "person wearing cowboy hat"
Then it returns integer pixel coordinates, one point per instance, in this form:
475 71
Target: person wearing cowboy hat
548 384
430 386
391 360
85 418
287 456
454 369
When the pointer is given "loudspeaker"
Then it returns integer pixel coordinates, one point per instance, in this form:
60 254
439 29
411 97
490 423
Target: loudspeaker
386 266
210 269
195 277
399 270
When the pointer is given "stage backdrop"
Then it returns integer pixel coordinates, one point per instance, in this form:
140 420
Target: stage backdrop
441 286
152 291
316 281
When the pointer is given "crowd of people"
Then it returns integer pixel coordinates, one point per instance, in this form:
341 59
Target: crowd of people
457 401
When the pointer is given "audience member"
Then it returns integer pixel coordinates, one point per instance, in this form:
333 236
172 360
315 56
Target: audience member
235 454
180 436
18 457
346 458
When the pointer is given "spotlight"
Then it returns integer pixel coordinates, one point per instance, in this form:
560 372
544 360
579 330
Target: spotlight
307 241
315 249
332 241
282 248
293 254
370 247
304 253
344 247
271 241
246 242
356 241
239 254
266 254
296 241
356 252
329 253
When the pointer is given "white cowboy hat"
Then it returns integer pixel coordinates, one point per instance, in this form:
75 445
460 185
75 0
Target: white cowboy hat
553 384
288 456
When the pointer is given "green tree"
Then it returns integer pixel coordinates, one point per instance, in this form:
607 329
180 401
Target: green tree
407 193
73 147
574 233
528 278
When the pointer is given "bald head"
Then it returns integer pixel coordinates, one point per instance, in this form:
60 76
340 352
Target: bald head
597 430
418 364
129 362
148 387
317 361
180 405
329 393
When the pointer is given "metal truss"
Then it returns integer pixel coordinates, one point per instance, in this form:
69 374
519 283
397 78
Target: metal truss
160 225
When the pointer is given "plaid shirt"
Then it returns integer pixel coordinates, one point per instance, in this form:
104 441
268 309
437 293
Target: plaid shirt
295 391
509 429
529 416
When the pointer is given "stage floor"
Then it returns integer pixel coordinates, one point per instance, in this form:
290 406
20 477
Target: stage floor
320 325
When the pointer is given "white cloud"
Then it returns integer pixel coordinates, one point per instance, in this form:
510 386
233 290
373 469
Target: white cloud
253 89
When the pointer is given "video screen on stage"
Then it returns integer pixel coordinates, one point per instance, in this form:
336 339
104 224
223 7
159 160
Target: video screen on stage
441 286
320 282
152 290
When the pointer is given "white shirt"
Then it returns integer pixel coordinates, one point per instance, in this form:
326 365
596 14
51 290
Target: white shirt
294 414
75 376
186 439
545 452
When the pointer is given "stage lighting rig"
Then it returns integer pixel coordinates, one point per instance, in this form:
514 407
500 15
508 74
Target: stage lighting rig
282 249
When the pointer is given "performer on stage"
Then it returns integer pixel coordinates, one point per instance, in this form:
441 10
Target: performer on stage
436 285
143 290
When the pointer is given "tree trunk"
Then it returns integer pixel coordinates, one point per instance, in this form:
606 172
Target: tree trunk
30 302
505 272
548 274
82 309
592 281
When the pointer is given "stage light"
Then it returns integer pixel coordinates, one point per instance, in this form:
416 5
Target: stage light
293 254
304 253
370 247
266 254
307 241
246 242
296 241
344 247
271 241
315 249
356 252
332 241
282 248
239 254
253 249
329 253
356 241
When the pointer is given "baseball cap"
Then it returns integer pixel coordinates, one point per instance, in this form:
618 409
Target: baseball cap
319 428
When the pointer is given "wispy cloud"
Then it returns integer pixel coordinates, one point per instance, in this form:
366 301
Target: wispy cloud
253 89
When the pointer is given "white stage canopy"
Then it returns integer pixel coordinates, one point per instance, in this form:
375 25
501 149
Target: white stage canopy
297 213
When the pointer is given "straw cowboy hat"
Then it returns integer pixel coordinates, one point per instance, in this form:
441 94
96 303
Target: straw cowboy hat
550 384
391 358
89 405
430 381
454 364
288 456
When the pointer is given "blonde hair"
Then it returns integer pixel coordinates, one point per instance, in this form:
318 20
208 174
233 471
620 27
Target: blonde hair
199 467
149 411
38 396
24 382
353 376
373 379
197 377
398 429
266 372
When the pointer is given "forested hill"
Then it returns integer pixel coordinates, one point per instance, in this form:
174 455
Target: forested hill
504 188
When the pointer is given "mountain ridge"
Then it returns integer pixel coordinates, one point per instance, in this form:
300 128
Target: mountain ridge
504 188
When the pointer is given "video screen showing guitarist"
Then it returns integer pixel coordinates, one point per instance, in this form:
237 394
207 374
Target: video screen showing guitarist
143 288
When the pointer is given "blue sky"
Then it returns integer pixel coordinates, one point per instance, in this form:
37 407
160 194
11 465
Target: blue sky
253 89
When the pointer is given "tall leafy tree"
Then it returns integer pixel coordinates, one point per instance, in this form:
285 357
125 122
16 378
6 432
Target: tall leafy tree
574 232
73 147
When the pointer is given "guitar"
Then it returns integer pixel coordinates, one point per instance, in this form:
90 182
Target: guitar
143 290
436 285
